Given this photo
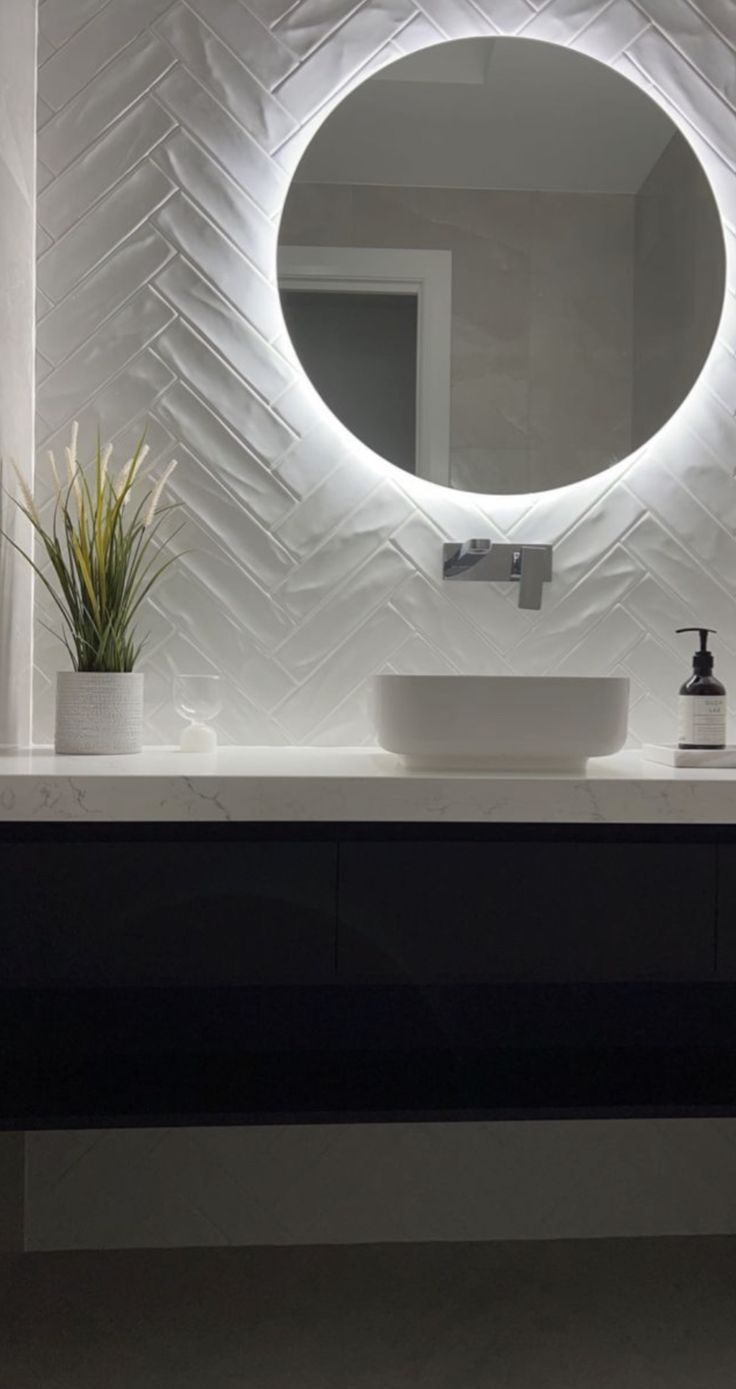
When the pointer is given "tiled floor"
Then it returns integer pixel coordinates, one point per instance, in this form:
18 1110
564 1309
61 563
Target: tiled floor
618 1314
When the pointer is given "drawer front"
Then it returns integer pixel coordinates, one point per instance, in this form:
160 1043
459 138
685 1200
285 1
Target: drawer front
464 911
166 913
727 912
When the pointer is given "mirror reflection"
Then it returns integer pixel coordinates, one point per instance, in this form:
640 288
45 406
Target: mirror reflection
501 265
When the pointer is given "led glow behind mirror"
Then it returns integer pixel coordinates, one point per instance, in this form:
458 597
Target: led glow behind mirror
501 265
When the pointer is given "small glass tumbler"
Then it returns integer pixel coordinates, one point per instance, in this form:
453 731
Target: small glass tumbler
198 698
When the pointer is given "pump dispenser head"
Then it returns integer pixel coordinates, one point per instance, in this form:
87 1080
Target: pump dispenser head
702 659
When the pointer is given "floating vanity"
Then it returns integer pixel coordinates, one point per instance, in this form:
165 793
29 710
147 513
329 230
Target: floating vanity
299 934
491 324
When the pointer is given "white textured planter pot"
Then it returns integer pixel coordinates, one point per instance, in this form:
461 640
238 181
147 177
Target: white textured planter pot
98 713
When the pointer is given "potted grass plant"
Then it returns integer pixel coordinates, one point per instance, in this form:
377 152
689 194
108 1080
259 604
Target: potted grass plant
98 554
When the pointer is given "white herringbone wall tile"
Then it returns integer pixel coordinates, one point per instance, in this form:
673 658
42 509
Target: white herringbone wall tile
17 196
168 130
358 1183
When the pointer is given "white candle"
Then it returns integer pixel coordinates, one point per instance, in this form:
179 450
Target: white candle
198 737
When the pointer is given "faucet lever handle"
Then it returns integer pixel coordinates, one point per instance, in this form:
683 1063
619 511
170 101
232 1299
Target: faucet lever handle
535 570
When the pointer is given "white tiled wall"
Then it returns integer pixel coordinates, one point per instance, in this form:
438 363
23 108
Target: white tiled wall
372 1183
17 194
168 132
167 135
12 1187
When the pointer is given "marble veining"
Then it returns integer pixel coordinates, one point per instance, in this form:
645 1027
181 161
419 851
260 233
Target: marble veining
351 784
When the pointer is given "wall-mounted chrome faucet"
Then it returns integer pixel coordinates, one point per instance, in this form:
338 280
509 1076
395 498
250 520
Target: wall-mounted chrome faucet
483 561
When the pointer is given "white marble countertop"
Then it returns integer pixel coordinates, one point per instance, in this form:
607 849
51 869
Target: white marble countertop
351 784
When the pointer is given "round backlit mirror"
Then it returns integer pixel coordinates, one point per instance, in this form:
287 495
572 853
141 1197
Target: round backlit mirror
501 265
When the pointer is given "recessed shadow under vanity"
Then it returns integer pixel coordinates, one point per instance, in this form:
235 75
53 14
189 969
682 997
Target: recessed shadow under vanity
292 973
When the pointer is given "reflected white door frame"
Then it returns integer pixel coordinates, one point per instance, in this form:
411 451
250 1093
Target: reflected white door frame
385 270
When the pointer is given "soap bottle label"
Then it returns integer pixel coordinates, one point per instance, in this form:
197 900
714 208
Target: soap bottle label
702 720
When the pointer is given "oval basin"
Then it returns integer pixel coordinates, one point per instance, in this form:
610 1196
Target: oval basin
501 723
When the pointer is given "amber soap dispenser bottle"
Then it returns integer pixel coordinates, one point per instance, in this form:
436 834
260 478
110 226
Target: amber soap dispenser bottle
701 719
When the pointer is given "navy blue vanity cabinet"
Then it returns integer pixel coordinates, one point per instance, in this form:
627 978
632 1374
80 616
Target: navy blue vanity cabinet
288 973
726 958
144 909
463 911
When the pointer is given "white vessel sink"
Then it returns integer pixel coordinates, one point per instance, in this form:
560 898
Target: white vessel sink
512 723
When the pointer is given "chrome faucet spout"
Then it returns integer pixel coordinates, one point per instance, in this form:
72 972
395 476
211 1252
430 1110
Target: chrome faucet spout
483 561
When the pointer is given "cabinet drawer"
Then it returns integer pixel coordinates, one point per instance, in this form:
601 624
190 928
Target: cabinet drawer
163 913
467 911
727 912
